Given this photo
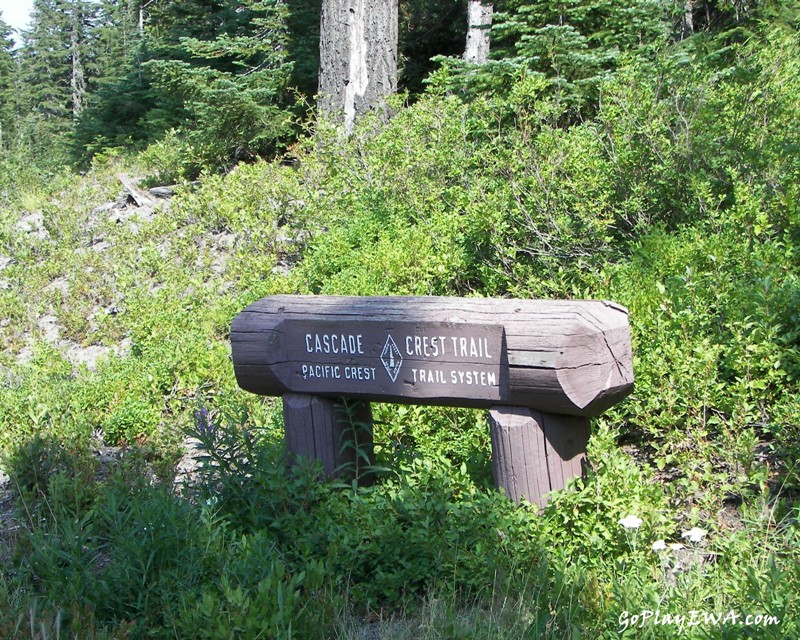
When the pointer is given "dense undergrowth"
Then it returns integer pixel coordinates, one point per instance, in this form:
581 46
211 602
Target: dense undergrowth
678 199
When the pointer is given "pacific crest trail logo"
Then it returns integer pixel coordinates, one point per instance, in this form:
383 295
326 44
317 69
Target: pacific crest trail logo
391 358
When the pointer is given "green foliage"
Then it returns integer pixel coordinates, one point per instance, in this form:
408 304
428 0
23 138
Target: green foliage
429 526
8 77
170 160
136 552
233 91
274 607
405 433
52 478
428 28
302 24
583 524
572 48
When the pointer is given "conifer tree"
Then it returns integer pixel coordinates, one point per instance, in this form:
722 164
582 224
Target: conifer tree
302 24
56 53
575 45
115 40
571 47
428 28
232 80
8 98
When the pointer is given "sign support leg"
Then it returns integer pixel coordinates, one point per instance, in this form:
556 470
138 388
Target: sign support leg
338 433
534 453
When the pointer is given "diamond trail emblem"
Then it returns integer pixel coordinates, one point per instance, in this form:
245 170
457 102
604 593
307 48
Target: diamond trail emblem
391 358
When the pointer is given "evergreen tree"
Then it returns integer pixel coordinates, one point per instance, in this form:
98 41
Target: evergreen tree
570 46
126 109
231 80
575 45
428 28
115 40
56 53
168 25
8 97
302 25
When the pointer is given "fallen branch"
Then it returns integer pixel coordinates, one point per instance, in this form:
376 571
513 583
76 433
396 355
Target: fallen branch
138 196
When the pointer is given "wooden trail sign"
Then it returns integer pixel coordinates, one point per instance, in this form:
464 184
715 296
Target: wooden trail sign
542 367
570 357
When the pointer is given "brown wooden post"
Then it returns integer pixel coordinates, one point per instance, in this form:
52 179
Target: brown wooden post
338 433
534 453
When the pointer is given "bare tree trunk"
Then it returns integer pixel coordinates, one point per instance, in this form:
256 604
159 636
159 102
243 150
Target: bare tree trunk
479 25
358 56
687 24
77 81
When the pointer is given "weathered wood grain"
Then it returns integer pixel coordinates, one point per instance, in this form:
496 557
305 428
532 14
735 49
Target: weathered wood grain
139 197
559 357
535 453
331 432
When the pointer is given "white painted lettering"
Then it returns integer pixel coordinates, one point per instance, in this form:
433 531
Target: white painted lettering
426 346
359 373
321 371
475 378
336 343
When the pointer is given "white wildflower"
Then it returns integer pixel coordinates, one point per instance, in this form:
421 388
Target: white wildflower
694 534
659 545
676 546
631 522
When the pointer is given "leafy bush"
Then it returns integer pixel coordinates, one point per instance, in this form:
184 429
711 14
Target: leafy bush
170 160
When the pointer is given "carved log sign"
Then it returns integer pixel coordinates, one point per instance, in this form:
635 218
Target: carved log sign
561 357
408 361
541 367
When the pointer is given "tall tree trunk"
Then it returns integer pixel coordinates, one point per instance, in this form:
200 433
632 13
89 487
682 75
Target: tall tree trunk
687 23
77 80
358 56
479 25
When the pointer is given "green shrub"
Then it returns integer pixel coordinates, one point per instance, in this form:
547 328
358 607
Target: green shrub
171 160
257 596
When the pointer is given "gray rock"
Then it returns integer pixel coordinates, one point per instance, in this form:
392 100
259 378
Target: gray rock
33 225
